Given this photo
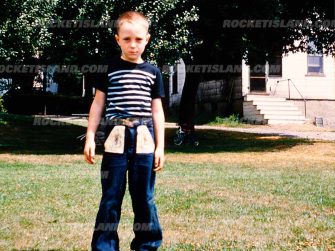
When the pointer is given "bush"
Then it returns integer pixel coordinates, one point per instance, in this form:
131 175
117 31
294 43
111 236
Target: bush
2 111
2 106
231 121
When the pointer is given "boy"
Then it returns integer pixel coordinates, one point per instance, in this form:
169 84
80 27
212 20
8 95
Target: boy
131 99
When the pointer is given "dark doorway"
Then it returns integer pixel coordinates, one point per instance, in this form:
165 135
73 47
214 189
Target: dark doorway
257 78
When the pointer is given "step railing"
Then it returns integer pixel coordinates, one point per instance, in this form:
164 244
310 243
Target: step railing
289 82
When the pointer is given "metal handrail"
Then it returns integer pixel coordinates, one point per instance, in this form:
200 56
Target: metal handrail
289 90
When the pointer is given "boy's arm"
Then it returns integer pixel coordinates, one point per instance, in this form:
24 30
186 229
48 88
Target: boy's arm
159 120
94 118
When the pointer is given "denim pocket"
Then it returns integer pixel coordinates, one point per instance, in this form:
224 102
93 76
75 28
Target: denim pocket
115 140
144 140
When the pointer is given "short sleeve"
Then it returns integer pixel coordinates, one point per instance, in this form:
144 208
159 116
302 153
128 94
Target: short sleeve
158 87
100 78
100 82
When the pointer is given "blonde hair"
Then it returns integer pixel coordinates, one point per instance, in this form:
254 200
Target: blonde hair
132 17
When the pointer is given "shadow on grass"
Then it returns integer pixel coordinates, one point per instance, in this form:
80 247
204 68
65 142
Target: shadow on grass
19 135
213 141
33 249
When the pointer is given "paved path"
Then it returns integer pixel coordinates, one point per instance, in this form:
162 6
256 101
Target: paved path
300 131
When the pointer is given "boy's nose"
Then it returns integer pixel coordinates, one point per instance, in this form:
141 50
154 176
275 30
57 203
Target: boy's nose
132 44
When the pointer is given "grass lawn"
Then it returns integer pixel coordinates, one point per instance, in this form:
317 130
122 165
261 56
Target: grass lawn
235 191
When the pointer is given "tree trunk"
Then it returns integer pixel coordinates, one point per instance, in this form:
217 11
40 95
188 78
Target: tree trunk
188 98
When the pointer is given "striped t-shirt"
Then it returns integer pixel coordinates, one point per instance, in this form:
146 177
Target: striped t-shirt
130 88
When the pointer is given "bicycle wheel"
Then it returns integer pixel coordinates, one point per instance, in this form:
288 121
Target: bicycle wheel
178 139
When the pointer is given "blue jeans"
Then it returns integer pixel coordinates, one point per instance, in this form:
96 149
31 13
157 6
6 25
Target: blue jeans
141 181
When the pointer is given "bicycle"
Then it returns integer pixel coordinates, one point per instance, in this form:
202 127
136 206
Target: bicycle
185 136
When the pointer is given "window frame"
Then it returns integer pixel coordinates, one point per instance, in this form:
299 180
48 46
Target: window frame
315 54
310 65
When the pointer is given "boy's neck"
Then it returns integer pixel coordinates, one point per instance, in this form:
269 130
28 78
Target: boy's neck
136 61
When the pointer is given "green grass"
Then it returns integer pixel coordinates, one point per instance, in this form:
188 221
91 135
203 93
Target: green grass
206 118
234 192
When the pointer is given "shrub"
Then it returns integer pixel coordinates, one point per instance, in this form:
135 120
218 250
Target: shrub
232 121
2 106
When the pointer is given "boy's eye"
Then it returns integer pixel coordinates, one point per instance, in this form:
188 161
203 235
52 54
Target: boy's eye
126 38
139 39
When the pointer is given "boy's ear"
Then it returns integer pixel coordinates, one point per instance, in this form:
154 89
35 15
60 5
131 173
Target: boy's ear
117 38
148 37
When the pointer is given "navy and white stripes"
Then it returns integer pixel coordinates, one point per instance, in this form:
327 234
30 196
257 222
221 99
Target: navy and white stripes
131 88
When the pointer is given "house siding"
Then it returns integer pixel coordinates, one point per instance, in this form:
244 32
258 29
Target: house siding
174 98
310 86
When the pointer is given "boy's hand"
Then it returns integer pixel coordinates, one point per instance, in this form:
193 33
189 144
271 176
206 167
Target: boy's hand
89 151
159 159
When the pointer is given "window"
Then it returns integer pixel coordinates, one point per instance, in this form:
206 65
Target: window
276 65
314 60
175 80
315 63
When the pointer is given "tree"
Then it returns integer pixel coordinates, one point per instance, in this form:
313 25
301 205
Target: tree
22 37
188 29
37 27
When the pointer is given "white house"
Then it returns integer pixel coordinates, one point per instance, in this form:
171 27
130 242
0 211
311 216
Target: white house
306 80
292 88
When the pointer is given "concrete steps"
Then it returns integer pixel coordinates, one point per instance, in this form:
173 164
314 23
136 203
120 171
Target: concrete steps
262 98
263 109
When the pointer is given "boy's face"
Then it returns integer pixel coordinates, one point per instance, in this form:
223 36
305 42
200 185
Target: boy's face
132 39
